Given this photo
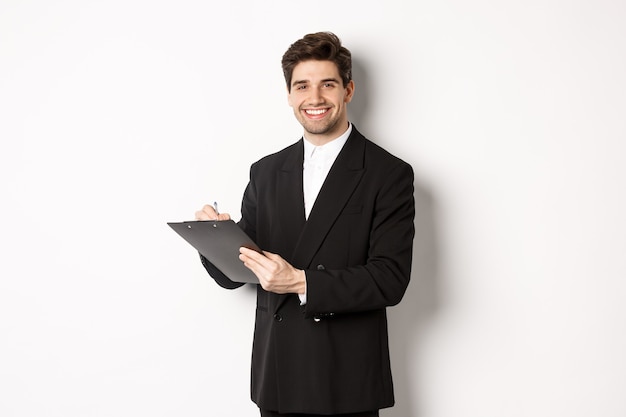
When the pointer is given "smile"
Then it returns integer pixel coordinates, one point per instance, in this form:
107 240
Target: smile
315 112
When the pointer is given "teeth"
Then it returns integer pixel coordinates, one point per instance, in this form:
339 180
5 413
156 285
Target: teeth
316 112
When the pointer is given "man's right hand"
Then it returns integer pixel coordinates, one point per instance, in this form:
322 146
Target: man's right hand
208 212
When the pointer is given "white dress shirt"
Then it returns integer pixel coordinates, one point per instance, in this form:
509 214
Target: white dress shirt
317 163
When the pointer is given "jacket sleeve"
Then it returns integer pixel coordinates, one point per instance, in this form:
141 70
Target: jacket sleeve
381 279
221 279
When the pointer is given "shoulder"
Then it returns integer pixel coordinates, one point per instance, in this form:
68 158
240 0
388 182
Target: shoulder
375 157
285 157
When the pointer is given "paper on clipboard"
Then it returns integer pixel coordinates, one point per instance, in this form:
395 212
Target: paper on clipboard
219 242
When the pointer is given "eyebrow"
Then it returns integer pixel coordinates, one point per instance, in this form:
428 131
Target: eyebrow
300 82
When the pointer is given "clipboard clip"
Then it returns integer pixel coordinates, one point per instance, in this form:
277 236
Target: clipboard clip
214 224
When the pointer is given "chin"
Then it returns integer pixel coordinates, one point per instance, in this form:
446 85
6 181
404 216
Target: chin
319 129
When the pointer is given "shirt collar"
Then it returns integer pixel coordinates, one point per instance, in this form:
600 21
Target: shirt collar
331 148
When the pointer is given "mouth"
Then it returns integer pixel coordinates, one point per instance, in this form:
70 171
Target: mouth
315 113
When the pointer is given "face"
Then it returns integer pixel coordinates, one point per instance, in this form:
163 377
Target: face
319 99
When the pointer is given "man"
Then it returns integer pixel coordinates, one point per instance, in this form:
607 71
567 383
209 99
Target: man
334 215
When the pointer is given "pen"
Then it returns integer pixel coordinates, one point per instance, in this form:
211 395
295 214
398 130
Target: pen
215 207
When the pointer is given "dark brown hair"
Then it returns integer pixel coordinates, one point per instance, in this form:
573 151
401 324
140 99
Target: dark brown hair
320 46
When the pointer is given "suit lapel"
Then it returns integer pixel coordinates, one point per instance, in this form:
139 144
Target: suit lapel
337 189
289 195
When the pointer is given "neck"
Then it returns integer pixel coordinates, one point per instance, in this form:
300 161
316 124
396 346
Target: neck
323 139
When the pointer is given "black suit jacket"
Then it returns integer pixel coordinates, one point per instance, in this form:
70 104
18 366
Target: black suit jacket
331 355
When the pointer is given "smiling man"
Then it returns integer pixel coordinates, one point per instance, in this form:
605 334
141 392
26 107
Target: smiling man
333 214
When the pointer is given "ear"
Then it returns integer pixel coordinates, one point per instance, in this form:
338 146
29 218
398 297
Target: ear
349 92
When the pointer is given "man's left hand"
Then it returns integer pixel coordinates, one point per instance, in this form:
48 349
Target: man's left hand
274 273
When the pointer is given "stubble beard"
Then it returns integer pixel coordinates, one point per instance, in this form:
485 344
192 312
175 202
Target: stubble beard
318 127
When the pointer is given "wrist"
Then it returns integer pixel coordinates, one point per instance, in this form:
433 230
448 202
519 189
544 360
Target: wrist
301 282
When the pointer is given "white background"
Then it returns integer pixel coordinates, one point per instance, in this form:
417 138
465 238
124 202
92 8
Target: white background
118 116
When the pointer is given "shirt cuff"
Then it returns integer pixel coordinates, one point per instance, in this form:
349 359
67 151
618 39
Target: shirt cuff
302 298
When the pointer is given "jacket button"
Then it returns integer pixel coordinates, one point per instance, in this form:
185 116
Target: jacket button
321 267
278 317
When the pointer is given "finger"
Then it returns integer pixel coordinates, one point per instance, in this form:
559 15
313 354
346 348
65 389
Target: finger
201 215
254 266
252 256
209 210
257 262
208 213
251 252
272 256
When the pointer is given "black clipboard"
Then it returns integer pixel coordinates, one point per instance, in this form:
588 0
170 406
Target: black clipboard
219 242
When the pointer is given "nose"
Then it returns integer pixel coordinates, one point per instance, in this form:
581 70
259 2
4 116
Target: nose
315 97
